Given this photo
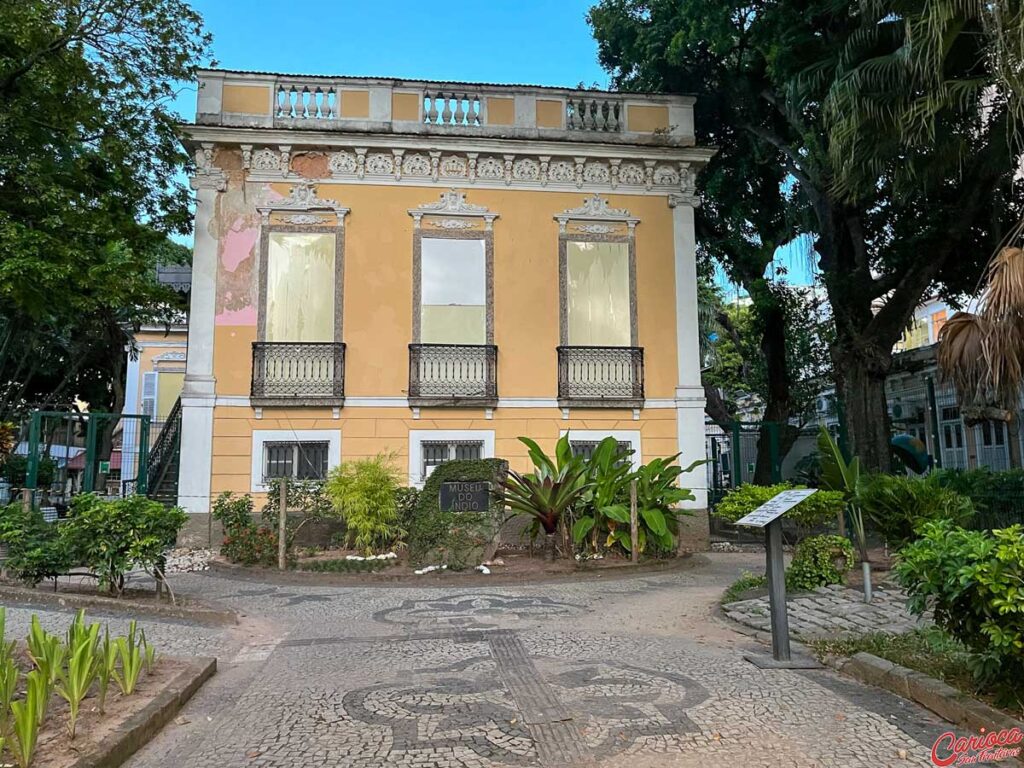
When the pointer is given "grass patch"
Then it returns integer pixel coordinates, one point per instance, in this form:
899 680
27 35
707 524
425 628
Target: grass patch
341 565
746 582
927 650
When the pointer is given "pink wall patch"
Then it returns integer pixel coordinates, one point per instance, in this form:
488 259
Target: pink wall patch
246 316
238 244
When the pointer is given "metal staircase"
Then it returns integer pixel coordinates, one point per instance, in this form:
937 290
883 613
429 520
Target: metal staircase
162 476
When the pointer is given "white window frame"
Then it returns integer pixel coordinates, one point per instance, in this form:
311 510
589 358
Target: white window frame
260 436
419 436
631 436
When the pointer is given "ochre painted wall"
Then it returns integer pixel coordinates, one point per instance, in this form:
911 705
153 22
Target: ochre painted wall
355 104
550 113
405 106
646 119
500 111
246 99
377 318
368 431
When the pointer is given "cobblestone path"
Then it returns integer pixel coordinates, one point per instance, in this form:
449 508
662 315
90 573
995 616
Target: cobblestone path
636 672
835 611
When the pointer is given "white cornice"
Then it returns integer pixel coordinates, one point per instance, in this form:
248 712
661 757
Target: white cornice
338 140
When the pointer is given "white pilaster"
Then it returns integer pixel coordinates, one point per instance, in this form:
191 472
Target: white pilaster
198 393
689 392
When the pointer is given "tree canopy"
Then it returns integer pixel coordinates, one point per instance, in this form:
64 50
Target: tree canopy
91 186
766 74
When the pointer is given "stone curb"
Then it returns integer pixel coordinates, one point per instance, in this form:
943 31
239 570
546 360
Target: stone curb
942 699
137 730
468 577
40 597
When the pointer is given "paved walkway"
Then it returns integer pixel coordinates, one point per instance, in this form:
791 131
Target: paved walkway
637 673
835 611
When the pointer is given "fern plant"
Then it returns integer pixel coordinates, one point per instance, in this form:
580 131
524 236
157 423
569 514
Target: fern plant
365 494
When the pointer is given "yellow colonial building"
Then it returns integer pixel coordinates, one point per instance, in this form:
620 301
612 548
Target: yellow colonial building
434 269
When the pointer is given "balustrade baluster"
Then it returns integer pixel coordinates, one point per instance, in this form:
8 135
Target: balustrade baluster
431 113
613 122
473 118
446 116
460 115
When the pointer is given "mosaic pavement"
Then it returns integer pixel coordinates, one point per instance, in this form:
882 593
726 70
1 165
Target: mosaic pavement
548 675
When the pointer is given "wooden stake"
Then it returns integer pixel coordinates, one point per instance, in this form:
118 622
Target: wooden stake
282 525
634 535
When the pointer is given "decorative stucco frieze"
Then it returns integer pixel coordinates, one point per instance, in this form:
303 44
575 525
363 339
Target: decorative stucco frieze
521 170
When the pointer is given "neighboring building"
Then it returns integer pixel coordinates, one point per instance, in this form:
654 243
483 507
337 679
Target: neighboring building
153 382
433 270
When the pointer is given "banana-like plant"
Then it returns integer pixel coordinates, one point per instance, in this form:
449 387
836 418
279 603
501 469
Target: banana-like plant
547 492
82 667
608 477
838 474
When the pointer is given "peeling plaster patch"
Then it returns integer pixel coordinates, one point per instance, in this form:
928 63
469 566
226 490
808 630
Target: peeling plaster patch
237 245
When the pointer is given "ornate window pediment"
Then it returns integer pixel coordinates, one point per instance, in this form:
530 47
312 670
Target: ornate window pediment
597 210
300 207
452 210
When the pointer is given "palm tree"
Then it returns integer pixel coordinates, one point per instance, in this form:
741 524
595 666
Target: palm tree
982 353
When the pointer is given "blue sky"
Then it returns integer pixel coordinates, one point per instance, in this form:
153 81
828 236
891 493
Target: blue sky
540 42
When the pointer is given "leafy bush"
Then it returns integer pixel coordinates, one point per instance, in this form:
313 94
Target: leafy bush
36 550
244 542
365 493
15 470
111 537
972 581
898 505
998 497
603 510
820 561
341 565
822 508
307 497
456 539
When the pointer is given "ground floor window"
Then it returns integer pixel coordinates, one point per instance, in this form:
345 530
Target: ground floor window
428 449
298 454
295 460
584 441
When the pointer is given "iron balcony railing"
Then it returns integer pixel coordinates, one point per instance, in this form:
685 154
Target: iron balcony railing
601 376
453 374
303 373
163 456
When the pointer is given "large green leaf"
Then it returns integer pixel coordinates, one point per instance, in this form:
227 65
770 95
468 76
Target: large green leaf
836 475
655 521
581 528
616 512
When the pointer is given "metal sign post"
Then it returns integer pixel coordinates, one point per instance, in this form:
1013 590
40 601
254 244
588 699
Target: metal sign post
769 516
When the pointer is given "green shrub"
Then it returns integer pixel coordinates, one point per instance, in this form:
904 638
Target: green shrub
998 497
746 582
35 548
820 561
822 508
898 505
407 500
341 565
456 539
244 542
972 582
15 471
111 537
364 492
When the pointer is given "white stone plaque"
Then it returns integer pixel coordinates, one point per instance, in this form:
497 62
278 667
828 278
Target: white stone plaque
775 507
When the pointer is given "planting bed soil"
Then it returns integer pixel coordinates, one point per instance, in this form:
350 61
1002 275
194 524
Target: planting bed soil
508 567
95 733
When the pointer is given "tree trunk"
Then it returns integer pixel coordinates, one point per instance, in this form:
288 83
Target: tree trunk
861 380
778 404
550 542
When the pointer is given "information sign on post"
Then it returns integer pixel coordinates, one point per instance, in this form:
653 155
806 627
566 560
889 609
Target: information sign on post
769 516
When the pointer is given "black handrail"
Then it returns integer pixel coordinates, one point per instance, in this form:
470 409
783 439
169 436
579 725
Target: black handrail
165 450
